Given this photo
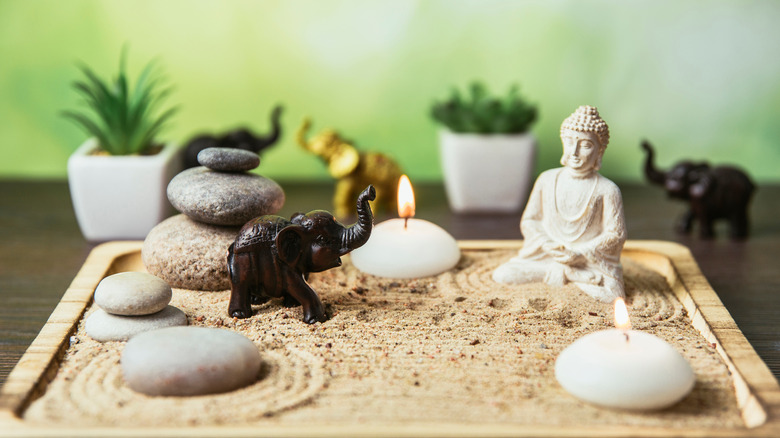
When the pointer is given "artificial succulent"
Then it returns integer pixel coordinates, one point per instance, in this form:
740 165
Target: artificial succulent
123 119
481 113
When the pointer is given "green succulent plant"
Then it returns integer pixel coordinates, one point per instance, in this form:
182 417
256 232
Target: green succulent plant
123 119
481 113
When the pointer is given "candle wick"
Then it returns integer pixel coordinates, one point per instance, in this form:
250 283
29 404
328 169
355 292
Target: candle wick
406 221
626 335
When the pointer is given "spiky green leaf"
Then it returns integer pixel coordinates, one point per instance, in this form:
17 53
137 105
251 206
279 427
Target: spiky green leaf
125 120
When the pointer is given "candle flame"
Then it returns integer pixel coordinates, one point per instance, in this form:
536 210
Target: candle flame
405 198
622 320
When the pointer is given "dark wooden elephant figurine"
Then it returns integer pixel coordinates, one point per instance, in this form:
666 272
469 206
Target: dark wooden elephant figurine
713 193
240 138
272 256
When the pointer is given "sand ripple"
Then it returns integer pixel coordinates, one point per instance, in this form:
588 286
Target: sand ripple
97 394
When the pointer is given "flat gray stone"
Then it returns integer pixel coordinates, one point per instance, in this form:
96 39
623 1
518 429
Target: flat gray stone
103 327
228 159
188 254
219 198
189 361
132 293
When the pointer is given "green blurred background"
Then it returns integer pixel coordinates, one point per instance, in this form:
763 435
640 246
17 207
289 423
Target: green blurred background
699 79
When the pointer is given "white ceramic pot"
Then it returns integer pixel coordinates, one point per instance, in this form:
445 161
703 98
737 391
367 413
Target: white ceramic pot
487 173
120 197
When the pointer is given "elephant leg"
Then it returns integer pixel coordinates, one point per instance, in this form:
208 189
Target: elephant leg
389 204
313 310
685 223
707 229
739 224
344 197
385 199
239 306
390 200
240 270
700 210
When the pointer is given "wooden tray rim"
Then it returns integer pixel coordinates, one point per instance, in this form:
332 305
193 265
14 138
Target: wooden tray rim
757 390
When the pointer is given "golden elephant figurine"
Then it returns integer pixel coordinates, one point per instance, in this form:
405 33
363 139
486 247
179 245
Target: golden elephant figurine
354 170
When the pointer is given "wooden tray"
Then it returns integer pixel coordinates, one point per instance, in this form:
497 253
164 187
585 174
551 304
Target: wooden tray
757 391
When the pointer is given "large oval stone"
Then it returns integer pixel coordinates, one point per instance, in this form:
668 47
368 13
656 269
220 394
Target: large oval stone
219 198
132 293
228 159
188 361
103 327
188 254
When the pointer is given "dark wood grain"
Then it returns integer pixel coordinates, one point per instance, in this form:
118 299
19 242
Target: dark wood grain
41 249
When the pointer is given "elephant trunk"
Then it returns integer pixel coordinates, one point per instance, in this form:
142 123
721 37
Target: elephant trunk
357 235
651 173
300 136
261 143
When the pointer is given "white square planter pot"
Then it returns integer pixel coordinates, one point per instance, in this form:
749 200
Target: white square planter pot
120 197
487 173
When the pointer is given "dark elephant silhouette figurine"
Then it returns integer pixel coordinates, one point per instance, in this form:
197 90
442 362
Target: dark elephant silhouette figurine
713 193
241 138
272 256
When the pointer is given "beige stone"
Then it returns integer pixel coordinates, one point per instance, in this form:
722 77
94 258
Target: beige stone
188 361
104 327
189 254
132 293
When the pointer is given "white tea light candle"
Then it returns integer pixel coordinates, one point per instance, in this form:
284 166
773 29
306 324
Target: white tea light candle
406 247
624 369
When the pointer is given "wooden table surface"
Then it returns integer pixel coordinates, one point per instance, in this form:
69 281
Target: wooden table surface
41 249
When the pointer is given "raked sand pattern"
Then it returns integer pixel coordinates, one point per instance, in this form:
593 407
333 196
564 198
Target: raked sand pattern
456 348
95 394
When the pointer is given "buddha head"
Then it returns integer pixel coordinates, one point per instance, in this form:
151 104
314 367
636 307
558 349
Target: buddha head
585 136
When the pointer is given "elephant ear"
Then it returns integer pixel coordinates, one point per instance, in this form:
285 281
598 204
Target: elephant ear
289 244
345 160
702 186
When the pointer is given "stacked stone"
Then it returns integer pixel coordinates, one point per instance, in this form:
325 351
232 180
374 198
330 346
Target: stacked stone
189 250
130 303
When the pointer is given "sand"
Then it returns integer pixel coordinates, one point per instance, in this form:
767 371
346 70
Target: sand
455 348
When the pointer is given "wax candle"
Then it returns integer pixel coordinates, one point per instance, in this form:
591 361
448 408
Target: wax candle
624 369
406 247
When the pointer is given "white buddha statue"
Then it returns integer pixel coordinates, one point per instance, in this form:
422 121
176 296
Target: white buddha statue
573 223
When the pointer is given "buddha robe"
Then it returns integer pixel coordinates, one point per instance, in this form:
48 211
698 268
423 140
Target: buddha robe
582 248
